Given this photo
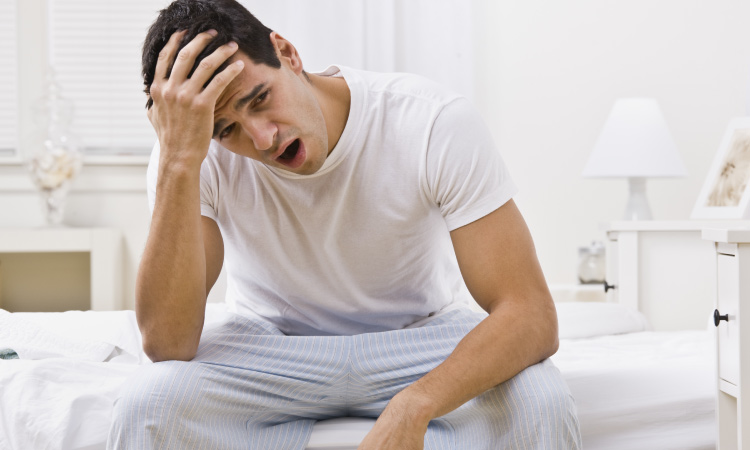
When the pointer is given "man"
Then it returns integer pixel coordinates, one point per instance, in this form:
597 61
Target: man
358 214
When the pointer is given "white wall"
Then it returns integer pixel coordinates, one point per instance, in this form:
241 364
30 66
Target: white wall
102 196
548 74
546 77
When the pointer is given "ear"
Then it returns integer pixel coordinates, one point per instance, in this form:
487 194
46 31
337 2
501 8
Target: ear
286 52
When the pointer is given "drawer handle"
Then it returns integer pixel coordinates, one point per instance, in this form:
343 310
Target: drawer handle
607 287
718 317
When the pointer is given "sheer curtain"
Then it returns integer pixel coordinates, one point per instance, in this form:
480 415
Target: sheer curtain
94 47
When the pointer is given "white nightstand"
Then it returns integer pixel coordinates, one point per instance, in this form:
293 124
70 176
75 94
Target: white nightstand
659 267
732 297
104 248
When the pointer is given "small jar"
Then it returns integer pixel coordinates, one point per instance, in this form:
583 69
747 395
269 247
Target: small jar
592 268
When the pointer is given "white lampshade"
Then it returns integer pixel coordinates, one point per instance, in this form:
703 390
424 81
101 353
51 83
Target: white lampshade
635 142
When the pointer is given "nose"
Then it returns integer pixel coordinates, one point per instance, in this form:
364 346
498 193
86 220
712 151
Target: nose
261 131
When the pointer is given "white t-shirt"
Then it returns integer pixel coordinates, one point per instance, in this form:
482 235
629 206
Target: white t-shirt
362 245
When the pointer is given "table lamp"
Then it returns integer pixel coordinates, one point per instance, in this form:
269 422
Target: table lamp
635 144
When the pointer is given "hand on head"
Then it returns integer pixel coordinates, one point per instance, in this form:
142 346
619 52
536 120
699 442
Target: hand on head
183 102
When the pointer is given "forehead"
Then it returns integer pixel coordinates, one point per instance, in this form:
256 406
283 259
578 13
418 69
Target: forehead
247 85
251 69
252 75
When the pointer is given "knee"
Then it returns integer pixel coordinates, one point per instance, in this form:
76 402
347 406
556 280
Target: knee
534 407
544 396
546 386
149 396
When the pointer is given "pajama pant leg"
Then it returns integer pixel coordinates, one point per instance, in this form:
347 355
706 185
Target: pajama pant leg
251 387
533 410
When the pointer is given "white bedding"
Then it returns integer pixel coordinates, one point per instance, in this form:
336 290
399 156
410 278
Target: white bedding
645 390
639 390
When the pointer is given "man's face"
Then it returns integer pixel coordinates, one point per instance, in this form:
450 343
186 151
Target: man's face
271 115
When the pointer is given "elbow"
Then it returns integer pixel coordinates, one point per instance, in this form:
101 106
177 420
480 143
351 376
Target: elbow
551 337
548 344
160 351
553 345
169 338
543 320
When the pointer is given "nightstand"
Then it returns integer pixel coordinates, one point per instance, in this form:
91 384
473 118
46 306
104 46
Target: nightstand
659 267
732 299
37 266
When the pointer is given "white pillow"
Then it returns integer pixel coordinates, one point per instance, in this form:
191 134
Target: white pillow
589 319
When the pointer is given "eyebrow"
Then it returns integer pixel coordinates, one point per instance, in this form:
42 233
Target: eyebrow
239 104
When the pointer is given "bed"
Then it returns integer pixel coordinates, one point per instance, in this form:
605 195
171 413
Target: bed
634 388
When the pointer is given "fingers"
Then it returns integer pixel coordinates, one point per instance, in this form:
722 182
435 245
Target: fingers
185 59
167 55
222 80
208 65
185 90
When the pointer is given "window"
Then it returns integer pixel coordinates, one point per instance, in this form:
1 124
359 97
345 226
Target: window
94 47
8 80
95 50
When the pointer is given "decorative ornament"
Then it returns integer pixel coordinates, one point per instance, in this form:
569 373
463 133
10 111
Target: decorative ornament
57 160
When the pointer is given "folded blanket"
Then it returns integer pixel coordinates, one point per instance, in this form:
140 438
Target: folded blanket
118 328
30 341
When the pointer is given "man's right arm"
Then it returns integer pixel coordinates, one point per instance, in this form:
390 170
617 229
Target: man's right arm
184 251
180 264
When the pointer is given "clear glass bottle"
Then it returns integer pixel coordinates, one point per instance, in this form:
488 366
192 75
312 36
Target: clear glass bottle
56 161
592 267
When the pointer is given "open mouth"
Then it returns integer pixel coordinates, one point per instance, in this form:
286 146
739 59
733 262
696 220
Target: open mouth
294 155
290 152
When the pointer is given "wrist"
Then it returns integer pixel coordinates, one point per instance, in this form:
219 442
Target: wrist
179 168
180 162
414 407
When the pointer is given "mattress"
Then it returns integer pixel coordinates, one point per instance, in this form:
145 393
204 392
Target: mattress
637 389
644 390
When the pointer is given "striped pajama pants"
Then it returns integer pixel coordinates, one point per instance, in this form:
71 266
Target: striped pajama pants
252 387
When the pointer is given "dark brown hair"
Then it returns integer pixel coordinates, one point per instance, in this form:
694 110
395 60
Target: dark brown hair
231 20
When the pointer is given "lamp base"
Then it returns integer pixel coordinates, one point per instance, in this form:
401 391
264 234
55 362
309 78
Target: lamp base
637 207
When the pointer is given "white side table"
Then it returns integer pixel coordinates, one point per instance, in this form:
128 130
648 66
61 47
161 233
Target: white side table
103 244
659 267
732 297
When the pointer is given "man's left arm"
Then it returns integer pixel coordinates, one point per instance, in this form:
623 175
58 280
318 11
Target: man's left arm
498 262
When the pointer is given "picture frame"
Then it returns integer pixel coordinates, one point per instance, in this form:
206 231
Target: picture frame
726 190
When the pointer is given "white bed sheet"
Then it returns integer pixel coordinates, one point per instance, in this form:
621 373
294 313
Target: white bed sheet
644 390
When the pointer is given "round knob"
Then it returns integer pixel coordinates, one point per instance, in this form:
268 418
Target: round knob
607 287
718 317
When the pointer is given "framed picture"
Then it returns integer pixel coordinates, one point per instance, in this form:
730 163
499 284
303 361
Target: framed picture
726 191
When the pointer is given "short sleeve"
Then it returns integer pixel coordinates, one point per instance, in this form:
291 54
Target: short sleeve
207 185
465 175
